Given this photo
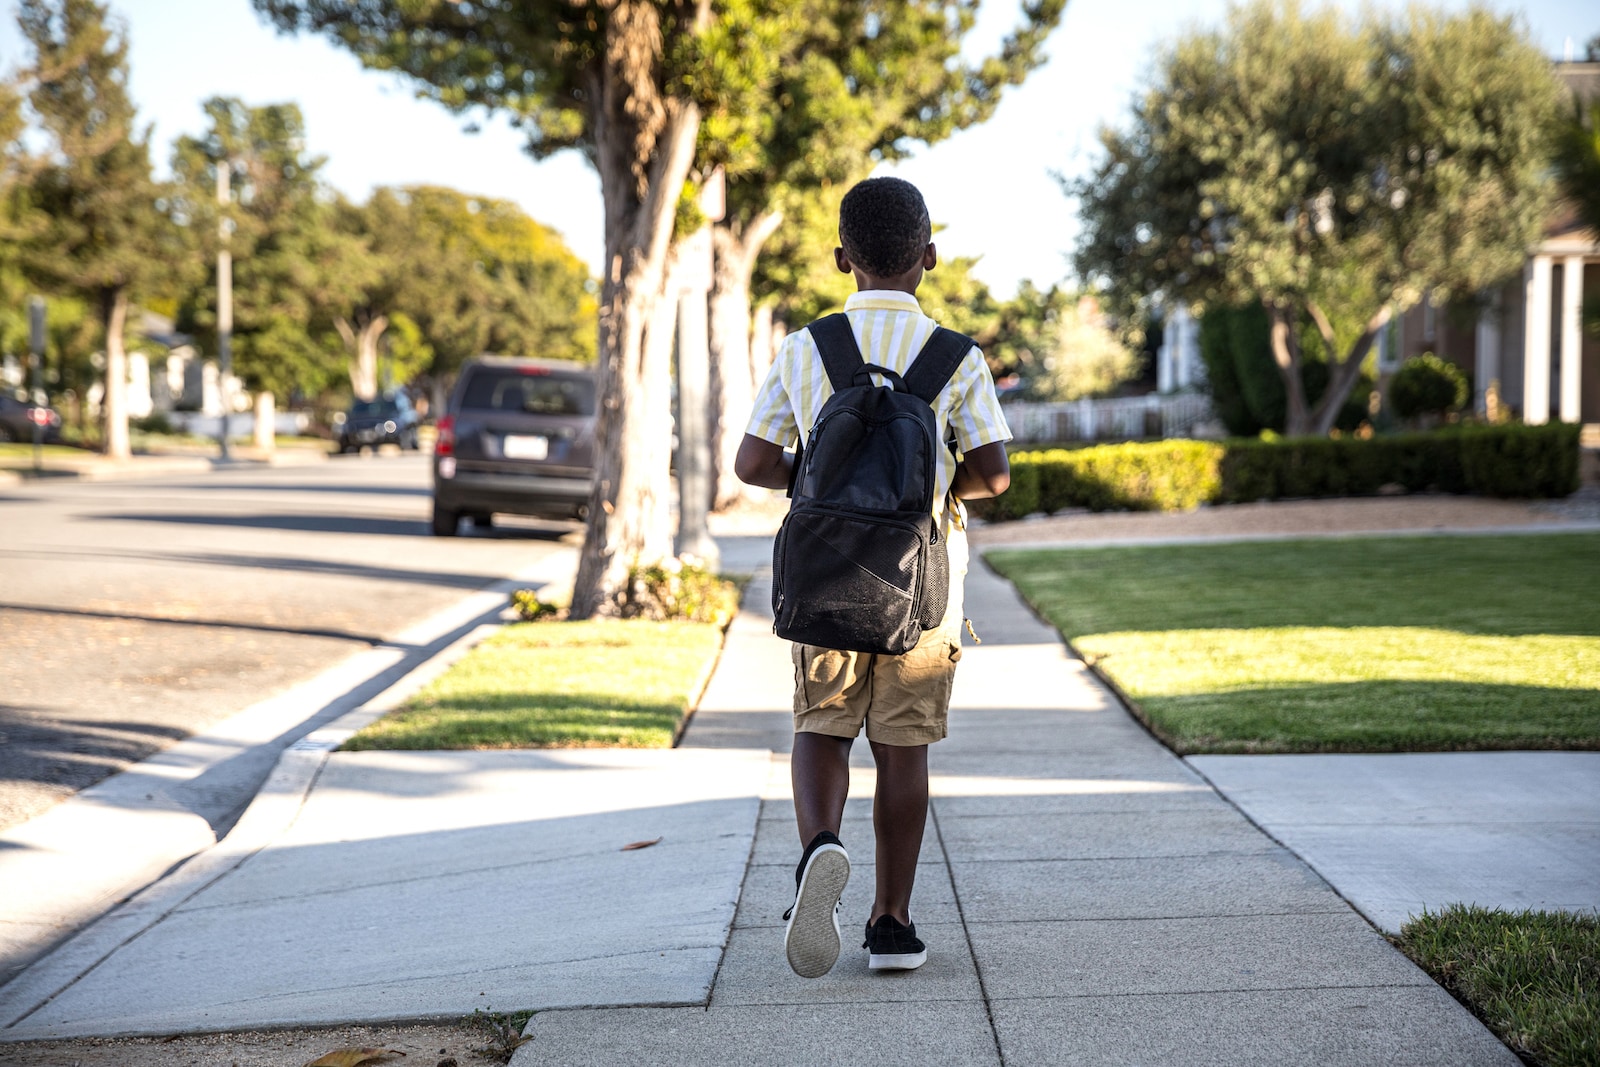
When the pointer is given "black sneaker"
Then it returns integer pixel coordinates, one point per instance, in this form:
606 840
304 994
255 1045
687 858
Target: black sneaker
811 940
894 947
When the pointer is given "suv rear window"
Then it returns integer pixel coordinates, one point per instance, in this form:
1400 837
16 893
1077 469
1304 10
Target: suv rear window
536 392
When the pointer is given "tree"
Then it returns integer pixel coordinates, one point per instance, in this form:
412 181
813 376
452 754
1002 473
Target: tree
106 237
859 84
627 82
1334 173
284 248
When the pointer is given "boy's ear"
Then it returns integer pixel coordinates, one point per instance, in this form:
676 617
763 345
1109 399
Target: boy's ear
930 257
842 261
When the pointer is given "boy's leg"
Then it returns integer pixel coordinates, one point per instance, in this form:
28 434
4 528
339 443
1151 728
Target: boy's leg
899 815
819 769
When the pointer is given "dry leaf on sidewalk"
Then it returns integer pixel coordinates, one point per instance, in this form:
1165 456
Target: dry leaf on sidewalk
353 1057
640 844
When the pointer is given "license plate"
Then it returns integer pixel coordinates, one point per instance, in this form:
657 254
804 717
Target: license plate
523 447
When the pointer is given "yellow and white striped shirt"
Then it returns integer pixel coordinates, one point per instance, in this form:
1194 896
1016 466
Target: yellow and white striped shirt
890 329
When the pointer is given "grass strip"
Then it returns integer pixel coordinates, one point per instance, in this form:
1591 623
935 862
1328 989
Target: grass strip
558 685
1350 645
1533 977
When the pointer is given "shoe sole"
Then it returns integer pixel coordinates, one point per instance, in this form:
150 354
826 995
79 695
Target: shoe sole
811 940
899 961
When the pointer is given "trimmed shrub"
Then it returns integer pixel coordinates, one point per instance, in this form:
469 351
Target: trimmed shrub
1509 460
1427 385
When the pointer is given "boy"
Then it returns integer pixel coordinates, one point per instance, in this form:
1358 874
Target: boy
903 701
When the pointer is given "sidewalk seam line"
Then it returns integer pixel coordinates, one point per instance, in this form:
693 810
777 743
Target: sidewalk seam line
744 880
961 914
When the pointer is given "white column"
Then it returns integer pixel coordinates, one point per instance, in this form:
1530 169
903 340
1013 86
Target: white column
1571 337
1164 375
1487 370
1536 337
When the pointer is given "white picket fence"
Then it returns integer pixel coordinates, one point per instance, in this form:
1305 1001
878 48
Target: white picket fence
1119 419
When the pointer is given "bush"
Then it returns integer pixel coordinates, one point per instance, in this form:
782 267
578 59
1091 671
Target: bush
681 589
1427 385
1509 460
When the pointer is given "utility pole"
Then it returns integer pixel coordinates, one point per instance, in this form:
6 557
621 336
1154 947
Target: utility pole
224 301
36 346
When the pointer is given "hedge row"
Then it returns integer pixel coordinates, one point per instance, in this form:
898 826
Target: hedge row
1509 460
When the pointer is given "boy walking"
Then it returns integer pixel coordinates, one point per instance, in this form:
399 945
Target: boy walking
902 701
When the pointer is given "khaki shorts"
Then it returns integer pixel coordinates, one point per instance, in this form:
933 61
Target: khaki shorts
902 700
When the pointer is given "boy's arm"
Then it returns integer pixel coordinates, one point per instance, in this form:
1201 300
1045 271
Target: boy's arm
762 463
983 472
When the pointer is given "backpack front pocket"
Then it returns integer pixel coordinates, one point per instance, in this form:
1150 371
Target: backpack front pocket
848 581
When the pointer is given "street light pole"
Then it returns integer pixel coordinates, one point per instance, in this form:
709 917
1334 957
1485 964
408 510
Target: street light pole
36 346
224 302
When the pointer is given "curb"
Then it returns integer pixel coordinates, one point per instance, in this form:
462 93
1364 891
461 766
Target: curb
274 808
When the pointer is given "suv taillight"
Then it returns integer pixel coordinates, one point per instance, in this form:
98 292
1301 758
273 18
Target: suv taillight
445 443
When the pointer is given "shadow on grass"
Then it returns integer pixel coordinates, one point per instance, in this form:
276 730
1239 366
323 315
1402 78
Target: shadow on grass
1375 716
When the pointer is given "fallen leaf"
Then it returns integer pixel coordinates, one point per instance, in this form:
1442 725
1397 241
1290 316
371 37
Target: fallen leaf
640 844
353 1057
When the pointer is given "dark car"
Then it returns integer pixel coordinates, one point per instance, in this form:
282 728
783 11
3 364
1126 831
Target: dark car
517 438
18 416
387 420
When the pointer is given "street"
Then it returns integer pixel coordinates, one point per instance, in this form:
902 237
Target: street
135 613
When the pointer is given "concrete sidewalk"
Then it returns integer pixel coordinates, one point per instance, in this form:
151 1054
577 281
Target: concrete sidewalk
1086 898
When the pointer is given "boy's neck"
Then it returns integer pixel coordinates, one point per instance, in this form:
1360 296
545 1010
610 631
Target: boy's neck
905 283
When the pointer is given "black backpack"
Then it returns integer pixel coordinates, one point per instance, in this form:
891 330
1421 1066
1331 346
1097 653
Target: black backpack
859 563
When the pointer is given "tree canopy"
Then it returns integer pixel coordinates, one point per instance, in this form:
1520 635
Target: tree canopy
104 235
1334 171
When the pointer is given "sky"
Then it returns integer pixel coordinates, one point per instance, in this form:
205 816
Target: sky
993 188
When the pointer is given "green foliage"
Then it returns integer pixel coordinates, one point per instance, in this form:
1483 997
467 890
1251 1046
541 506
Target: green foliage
1082 355
1509 460
1327 170
857 85
103 232
1427 385
679 589
286 253
1533 977
1577 160
530 608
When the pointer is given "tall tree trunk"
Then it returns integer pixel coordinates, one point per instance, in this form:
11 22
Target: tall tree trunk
732 378
763 342
1343 375
361 341
266 414
628 507
1286 353
114 408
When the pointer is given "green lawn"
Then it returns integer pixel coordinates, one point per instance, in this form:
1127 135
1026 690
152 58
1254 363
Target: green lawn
1350 645
559 685
1532 977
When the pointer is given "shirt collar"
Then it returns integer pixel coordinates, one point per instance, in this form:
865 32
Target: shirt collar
882 300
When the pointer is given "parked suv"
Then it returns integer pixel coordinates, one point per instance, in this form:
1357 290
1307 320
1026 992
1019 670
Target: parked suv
517 438
385 420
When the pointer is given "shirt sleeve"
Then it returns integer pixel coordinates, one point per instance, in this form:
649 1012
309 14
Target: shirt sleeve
976 416
772 417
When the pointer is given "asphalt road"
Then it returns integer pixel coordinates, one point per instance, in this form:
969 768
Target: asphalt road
133 614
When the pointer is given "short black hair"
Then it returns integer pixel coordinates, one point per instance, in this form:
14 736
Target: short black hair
884 226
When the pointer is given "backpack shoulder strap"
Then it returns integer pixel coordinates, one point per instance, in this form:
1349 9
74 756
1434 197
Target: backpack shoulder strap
836 341
936 363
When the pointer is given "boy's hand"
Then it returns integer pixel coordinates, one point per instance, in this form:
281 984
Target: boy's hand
762 463
984 472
